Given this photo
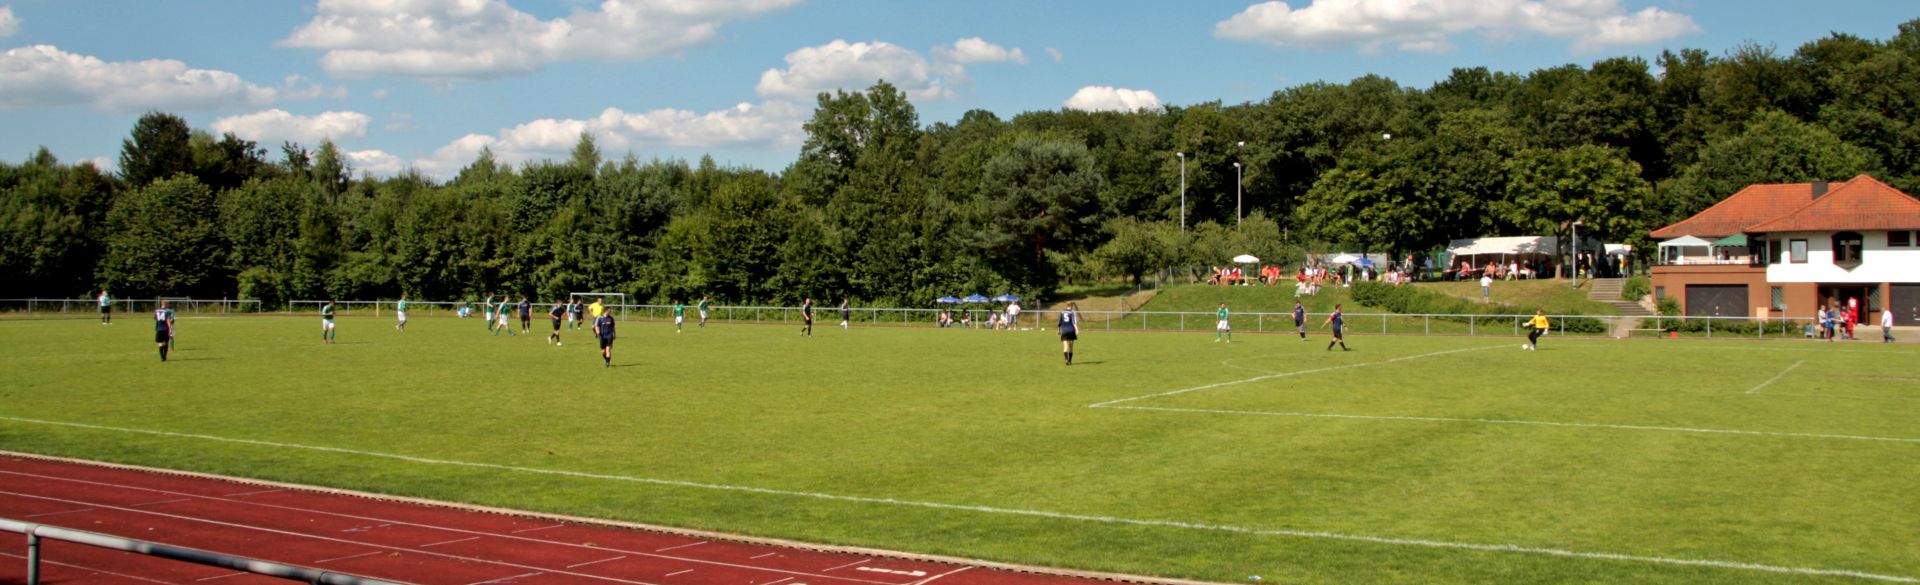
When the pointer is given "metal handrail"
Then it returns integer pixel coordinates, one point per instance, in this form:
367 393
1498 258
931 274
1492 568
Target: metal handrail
35 532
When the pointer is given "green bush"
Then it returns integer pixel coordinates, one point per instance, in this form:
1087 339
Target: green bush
1668 307
1410 300
1636 288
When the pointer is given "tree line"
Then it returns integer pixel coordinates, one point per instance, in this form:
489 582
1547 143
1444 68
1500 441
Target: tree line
884 209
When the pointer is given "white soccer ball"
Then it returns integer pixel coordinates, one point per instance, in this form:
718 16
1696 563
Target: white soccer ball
1523 346
559 343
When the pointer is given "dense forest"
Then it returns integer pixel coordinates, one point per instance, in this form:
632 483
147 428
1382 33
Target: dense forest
887 210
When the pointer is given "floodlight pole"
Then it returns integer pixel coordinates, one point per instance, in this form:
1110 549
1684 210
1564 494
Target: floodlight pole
1238 197
1576 253
1183 190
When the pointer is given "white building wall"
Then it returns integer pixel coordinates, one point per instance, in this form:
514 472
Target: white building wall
1878 262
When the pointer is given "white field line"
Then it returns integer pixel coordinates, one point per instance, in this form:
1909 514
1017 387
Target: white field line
1544 423
1115 520
1776 377
1846 396
1284 375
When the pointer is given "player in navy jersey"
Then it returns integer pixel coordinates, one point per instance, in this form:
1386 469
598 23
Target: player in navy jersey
1069 330
1300 320
1338 321
806 317
603 329
557 314
163 329
526 315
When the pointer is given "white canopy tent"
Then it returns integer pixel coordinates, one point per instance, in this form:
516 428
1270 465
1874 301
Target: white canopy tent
1245 259
1679 244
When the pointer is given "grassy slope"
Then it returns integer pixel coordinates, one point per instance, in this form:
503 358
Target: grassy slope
1553 295
991 419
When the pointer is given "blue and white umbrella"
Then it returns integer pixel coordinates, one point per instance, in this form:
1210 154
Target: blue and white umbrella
1363 262
1006 299
975 298
947 301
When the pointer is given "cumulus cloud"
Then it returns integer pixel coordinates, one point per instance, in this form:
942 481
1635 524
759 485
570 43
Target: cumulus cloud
771 124
9 24
377 162
1100 98
1056 54
978 50
856 66
299 88
1430 25
489 38
276 126
42 75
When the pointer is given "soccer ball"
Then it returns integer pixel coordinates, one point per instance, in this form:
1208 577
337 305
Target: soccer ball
1523 346
559 343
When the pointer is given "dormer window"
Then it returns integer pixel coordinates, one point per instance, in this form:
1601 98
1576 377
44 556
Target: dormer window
1847 249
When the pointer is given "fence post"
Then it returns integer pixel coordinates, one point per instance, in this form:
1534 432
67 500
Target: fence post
1427 322
1470 325
33 556
1260 322
1383 324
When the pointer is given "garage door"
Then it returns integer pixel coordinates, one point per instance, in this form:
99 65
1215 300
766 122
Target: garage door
1905 304
1716 300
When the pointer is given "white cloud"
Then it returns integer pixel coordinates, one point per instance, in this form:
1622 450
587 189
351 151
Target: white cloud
773 124
489 38
1100 98
1430 25
1056 54
401 122
299 88
9 24
978 50
276 126
855 67
377 162
42 75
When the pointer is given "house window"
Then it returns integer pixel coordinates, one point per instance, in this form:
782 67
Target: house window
1899 239
1797 251
1659 292
1847 247
1779 299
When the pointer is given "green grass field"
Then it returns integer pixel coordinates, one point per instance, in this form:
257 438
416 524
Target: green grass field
1407 460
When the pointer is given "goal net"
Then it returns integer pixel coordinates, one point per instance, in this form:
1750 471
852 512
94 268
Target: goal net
615 302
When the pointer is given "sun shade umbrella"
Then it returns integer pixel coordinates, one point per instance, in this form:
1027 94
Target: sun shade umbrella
975 298
1006 299
1343 259
947 301
1245 259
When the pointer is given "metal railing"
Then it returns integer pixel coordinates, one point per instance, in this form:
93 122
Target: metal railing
1039 319
36 532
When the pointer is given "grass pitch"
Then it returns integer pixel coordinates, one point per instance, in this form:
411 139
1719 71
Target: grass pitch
1407 460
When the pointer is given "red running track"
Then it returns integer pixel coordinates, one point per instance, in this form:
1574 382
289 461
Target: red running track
397 540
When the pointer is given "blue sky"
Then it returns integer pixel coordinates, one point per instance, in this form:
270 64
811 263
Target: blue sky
426 83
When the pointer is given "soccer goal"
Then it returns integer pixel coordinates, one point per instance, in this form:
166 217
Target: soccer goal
615 302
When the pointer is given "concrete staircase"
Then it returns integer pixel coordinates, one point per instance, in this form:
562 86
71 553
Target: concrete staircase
1607 290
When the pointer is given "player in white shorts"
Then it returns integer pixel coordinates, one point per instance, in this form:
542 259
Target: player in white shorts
400 312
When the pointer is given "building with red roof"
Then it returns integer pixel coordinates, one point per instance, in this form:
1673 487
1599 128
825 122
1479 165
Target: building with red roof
1787 249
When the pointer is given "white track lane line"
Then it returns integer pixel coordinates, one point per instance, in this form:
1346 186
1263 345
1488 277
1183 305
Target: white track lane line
1307 534
390 522
510 578
935 577
333 539
576 565
678 547
1285 375
44 561
1502 421
1775 378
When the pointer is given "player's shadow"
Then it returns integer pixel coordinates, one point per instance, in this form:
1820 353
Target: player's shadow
193 359
1092 363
